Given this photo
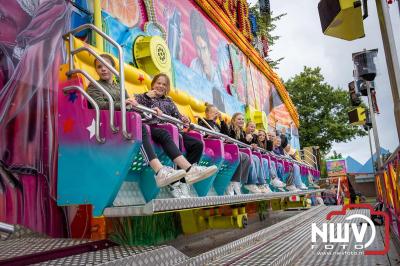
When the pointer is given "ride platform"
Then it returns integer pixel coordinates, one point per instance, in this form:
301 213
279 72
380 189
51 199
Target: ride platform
284 243
173 204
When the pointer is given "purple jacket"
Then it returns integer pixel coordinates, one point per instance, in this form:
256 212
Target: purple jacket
165 104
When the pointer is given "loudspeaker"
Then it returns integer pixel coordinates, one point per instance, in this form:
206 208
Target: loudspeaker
365 64
354 97
341 18
357 116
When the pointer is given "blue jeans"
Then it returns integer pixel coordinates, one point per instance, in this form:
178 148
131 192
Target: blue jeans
275 171
293 176
265 170
297 175
255 175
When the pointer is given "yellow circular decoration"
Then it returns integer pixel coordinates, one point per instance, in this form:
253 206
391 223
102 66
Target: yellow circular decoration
151 54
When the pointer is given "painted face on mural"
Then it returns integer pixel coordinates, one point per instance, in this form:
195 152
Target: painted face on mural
103 72
160 86
204 55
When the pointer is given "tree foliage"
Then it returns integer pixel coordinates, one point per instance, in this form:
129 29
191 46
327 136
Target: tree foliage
265 26
322 110
336 155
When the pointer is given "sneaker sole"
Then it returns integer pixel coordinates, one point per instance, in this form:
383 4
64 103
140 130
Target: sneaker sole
205 175
173 179
253 192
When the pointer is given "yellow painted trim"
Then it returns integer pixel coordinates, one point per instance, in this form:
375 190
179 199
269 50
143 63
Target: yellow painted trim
98 23
215 12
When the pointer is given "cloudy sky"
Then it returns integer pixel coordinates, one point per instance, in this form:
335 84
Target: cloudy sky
302 43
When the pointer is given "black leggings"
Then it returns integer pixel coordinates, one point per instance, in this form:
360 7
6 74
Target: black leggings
194 147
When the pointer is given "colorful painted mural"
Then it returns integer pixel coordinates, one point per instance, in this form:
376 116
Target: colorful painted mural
30 54
206 64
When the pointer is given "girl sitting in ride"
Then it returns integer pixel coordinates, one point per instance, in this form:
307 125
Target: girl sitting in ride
241 173
158 100
252 139
293 182
265 141
164 175
256 182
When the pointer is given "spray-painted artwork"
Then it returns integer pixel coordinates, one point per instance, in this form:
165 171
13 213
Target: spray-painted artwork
30 53
200 54
206 64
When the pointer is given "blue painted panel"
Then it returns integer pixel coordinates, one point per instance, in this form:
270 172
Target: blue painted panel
203 187
224 176
93 176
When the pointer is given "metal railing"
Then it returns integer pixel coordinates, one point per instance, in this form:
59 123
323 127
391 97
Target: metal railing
306 154
95 106
207 131
392 156
120 74
6 228
108 95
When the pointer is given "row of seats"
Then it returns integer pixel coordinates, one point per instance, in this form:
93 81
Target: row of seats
90 172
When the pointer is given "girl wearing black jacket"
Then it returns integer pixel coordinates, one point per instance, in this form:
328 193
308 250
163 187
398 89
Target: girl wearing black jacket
235 130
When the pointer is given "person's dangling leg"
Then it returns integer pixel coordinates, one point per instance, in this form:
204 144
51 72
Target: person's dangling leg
194 151
265 174
297 178
252 181
164 175
265 170
274 169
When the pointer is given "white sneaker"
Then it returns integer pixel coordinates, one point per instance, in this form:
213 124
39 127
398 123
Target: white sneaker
237 187
167 175
303 186
230 189
267 189
185 189
252 188
292 188
277 183
175 190
198 173
262 189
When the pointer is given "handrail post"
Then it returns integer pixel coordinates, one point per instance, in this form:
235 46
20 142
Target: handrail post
96 107
120 74
71 48
7 228
125 133
109 97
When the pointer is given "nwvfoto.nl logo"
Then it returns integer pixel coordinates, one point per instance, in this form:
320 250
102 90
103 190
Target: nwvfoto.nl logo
338 235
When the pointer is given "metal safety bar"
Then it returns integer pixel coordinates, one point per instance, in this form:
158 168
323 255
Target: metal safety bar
96 107
6 228
120 74
211 132
108 95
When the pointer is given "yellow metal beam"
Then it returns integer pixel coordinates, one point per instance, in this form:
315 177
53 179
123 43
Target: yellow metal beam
98 23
